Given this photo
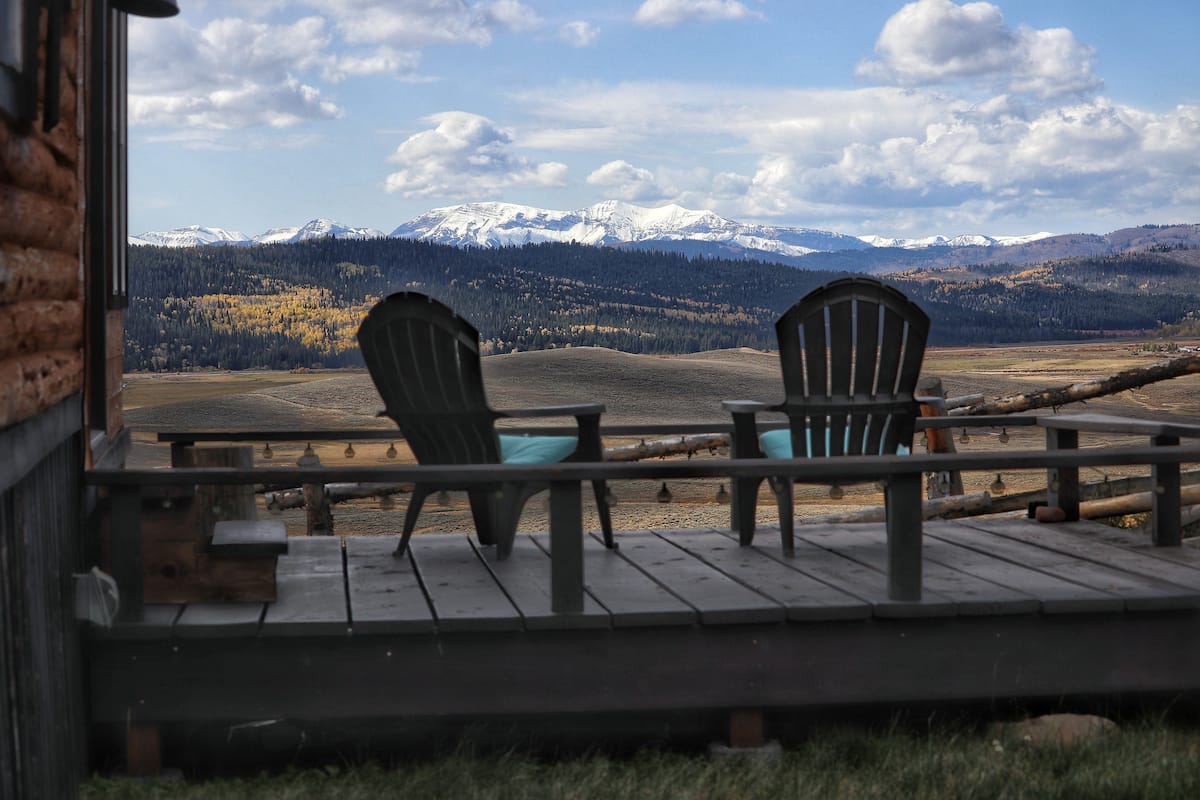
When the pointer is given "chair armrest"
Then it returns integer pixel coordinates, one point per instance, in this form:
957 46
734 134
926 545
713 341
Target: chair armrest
745 429
746 406
577 410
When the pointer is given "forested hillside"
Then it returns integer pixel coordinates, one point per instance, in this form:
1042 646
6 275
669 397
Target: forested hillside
298 305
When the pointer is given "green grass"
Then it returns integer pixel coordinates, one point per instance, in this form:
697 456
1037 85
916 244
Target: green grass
1143 761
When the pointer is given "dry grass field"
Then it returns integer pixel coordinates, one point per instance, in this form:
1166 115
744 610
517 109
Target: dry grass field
635 389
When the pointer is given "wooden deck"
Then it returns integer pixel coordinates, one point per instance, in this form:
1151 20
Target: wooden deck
676 620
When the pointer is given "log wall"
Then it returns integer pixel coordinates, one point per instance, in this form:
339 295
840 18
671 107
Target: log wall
41 249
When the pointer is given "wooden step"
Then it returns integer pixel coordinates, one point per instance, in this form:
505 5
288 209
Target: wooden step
248 538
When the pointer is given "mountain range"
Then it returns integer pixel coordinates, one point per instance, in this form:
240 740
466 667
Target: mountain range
609 223
673 228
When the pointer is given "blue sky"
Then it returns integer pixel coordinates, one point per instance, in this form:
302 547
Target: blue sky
859 116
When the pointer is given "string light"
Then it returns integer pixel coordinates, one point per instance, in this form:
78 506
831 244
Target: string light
386 503
1004 436
349 451
836 492
268 453
609 497
965 438
998 486
664 494
391 451
722 495
308 458
443 498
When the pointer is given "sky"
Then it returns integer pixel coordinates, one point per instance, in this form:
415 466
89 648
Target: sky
857 116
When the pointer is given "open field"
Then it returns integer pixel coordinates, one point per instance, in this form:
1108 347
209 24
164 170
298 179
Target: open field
636 389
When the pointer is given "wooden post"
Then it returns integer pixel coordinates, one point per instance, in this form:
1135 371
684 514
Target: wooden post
746 728
317 514
903 498
941 440
143 750
1062 483
218 502
1168 532
566 547
126 550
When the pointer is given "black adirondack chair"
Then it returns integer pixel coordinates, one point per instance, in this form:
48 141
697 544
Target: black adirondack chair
424 360
850 353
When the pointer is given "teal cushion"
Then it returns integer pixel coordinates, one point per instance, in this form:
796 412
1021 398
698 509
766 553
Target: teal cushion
778 443
535 449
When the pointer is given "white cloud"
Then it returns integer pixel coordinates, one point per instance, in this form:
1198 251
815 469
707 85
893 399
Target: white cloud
466 157
935 41
1093 154
406 24
230 74
238 72
624 181
579 33
837 157
674 12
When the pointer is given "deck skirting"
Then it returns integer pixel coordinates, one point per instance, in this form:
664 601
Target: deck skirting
681 668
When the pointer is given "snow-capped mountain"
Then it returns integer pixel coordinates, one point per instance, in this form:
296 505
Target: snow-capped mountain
195 235
319 228
191 236
962 240
611 223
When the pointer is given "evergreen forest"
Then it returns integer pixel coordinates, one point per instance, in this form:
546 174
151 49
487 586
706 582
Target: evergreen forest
298 305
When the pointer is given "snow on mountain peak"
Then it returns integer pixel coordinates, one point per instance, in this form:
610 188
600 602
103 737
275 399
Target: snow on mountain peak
610 222
190 236
962 240
196 235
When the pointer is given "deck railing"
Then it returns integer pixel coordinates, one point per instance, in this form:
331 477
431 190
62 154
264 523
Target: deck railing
902 477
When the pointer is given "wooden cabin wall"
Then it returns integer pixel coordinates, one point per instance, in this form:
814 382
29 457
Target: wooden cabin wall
43 716
41 251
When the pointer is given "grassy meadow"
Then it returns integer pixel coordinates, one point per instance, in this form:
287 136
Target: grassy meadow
636 389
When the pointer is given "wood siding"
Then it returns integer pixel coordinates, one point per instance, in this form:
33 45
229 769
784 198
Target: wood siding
41 245
42 740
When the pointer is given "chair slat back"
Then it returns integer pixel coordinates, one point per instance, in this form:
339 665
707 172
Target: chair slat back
424 361
851 354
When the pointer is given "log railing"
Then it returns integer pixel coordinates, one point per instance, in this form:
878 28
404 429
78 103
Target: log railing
901 475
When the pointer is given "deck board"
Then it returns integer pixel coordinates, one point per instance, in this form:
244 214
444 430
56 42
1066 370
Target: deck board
461 589
385 593
219 619
310 590
631 598
972 551
1081 541
1142 544
717 598
803 597
525 578
970 594
1097 564
864 578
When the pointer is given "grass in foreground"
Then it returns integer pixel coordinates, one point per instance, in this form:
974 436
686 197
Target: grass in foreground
1141 761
